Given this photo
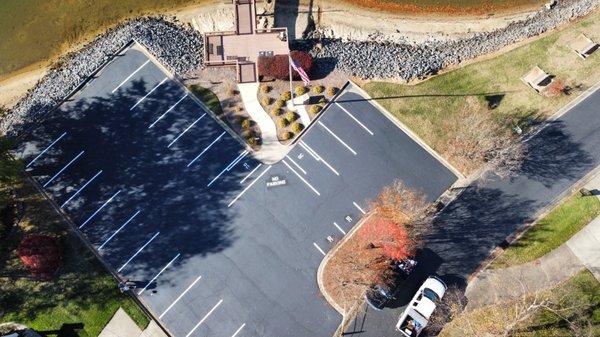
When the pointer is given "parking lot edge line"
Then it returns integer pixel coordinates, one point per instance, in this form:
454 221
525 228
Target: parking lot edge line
99 209
355 119
360 209
80 189
186 130
46 149
229 167
238 330
137 252
206 149
319 248
338 138
296 164
118 230
309 150
251 172
130 76
166 112
339 228
180 296
204 318
63 169
250 185
301 178
149 93
160 272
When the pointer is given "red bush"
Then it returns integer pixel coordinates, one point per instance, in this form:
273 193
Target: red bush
277 66
40 254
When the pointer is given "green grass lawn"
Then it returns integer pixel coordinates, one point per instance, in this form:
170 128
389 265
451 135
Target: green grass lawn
577 299
82 291
207 97
33 31
551 231
439 109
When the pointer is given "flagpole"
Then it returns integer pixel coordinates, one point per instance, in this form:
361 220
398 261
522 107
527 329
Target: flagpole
290 70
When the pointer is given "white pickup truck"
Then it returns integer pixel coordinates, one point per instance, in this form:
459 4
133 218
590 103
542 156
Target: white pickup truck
419 310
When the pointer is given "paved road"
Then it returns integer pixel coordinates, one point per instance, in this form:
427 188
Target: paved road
481 218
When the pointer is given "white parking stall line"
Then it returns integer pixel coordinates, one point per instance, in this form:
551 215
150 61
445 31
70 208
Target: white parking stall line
318 157
130 76
180 296
80 189
118 230
250 185
204 318
99 209
148 94
238 330
166 112
138 252
157 275
64 168
186 130
338 138
319 248
355 119
296 164
206 149
251 172
360 209
301 178
229 167
339 228
46 149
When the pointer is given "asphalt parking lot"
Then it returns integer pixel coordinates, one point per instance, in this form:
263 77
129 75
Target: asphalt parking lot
217 243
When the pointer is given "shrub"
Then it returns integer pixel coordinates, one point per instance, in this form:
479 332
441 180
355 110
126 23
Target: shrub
290 116
331 91
246 124
297 127
266 101
286 96
252 140
315 109
278 66
265 89
318 89
275 112
300 90
232 92
286 135
323 100
40 254
282 122
279 104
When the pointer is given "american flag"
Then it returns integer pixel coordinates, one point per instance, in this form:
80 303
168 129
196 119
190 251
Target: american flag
300 71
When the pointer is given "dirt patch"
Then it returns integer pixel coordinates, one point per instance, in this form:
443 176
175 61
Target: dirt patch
12 89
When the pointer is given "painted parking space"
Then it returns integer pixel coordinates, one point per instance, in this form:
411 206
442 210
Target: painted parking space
216 242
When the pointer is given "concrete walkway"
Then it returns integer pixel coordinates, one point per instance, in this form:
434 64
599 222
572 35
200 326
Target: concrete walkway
580 251
300 108
271 150
121 325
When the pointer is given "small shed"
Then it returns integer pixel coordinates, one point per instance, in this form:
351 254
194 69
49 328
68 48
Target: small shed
537 79
583 46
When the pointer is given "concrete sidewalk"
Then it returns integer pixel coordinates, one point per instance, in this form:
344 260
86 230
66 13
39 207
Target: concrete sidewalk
121 325
580 251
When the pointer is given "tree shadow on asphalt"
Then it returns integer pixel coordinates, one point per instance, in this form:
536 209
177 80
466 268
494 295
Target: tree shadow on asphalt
192 219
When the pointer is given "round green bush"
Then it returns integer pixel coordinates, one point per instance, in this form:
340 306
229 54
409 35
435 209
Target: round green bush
266 101
323 100
331 91
286 135
265 88
297 127
300 90
279 104
318 89
315 109
282 122
290 116
286 96
246 124
275 112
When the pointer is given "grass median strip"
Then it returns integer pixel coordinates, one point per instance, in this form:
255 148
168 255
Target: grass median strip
552 231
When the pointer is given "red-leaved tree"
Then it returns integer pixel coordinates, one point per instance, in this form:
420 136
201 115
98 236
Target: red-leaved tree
390 238
277 66
40 254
